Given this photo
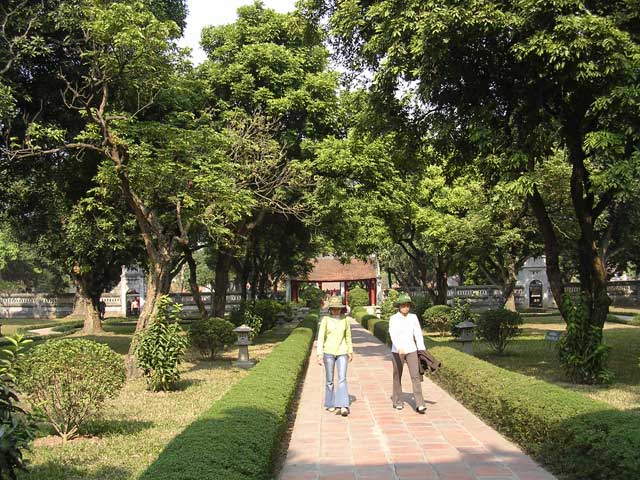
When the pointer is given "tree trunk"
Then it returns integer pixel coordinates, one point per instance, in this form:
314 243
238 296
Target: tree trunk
78 305
551 248
92 322
223 264
193 284
509 286
158 284
90 304
592 270
442 286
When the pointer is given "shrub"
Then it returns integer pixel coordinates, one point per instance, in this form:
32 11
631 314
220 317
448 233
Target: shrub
160 347
419 306
17 428
238 438
388 308
438 319
312 296
287 310
267 310
68 380
358 297
498 327
636 320
357 310
211 335
582 353
244 314
461 312
555 425
366 318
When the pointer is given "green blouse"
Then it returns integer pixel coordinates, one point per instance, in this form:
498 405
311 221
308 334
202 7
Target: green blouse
334 336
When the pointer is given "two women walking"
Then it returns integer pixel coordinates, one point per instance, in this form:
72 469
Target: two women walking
335 349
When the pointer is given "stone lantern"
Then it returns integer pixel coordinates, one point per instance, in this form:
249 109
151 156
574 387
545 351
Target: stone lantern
466 336
243 343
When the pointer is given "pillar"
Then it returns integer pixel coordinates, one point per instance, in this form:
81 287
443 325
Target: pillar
372 291
123 292
288 290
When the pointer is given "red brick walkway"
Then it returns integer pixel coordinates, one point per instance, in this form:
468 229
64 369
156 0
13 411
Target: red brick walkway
378 443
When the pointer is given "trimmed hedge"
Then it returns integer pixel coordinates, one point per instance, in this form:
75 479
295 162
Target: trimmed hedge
239 436
571 434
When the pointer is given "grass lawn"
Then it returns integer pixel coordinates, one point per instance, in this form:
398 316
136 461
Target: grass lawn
531 355
136 426
11 326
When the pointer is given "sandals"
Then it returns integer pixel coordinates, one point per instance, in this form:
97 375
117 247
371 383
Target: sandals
344 411
331 409
421 409
398 406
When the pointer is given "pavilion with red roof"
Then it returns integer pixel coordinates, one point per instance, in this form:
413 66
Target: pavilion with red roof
330 271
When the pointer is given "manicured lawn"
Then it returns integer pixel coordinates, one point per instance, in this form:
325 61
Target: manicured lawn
10 326
137 425
531 355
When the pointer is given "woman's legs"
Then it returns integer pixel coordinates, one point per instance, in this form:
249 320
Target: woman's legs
397 361
342 393
416 378
329 364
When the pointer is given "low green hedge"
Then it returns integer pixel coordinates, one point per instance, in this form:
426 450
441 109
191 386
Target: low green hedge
573 435
239 436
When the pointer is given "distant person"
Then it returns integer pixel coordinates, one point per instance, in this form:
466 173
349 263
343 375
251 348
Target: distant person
135 307
335 349
102 309
406 339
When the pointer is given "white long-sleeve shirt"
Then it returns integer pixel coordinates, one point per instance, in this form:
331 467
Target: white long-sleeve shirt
405 333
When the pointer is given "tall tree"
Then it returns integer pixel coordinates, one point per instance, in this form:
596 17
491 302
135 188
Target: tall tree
275 65
523 77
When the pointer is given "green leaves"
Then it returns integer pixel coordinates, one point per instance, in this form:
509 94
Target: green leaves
160 348
68 380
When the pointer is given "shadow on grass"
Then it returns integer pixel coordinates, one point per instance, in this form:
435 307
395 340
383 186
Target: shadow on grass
224 443
186 383
62 471
108 427
119 343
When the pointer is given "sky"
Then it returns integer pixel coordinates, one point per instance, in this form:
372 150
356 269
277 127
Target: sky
217 12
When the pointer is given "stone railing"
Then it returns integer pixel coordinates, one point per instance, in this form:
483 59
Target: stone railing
622 293
57 306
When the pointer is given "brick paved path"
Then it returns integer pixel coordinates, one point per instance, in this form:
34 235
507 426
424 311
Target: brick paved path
378 443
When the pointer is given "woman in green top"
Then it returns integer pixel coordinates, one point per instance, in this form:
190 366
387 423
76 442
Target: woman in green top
334 348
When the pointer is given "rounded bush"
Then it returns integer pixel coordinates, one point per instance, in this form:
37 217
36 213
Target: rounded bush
358 310
211 335
267 310
358 297
388 308
636 320
498 327
438 319
312 296
244 314
68 380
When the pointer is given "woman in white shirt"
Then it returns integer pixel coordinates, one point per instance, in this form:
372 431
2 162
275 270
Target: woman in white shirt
406 339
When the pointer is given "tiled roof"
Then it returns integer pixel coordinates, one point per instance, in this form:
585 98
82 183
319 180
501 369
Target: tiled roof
328 269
